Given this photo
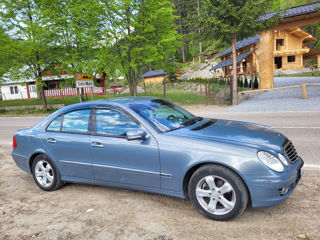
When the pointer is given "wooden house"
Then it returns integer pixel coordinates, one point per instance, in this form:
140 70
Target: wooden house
284 46
289 52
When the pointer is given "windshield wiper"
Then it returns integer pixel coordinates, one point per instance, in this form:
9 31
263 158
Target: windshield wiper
192 121
172 129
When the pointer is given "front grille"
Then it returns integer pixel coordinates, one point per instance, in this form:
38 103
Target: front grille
290 151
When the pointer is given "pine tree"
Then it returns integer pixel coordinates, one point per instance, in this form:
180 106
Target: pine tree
245 83
229 20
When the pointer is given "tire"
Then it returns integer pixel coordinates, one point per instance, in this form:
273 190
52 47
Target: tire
46 174
217 192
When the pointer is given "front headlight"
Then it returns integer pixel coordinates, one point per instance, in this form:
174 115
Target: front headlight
283 159
270 161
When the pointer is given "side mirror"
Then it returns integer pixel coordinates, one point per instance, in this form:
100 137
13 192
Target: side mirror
138 134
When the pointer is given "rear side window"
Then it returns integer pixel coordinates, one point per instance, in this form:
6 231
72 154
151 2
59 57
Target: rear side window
55 125
76 121
111 122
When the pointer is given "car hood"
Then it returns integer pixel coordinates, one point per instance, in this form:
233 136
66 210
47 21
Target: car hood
237 132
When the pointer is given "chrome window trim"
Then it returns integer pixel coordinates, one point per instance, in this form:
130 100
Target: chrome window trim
120 168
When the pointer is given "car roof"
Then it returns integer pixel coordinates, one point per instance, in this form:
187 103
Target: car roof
103 102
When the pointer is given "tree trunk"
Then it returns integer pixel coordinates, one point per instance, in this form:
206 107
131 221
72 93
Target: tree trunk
234 82
134 81
43 99
80 95
183 54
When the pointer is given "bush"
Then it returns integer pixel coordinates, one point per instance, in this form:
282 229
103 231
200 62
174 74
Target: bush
255 84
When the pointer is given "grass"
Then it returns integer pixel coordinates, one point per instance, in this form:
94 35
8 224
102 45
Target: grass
22 112
177 96
307 74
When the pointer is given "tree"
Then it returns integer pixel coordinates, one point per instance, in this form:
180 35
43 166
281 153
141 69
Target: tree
6 60
229 20
30 45
76 27
142 33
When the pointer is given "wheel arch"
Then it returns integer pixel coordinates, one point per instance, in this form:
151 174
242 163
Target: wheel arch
195 167
32 157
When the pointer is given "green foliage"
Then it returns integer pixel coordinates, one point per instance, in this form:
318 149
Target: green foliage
220 19
143 34
76 28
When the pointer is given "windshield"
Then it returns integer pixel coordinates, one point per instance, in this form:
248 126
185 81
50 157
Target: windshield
163 115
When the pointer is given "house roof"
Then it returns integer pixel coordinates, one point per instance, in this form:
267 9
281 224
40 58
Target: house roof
294 11
200 54
228 62
240 44
153 73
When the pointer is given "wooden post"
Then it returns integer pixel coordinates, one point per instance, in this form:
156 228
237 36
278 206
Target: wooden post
145 90
266 59
209 93
61 92
164 89
304 91
206 89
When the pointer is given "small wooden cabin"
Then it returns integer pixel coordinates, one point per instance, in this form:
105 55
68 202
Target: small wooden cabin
154 77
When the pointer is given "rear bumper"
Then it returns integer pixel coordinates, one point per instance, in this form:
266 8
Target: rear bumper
21 162
265 190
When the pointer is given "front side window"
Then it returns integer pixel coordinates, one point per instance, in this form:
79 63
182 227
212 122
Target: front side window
163 115
76 121
112 122
55 125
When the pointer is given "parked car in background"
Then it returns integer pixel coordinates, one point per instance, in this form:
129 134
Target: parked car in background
150 144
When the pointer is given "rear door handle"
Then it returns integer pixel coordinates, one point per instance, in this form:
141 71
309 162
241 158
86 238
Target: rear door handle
97 144
51 140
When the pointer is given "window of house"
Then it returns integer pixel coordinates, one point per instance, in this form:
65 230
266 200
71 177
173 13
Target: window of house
76 121
32 88
112 122
291 58
14 90
52 85
279 43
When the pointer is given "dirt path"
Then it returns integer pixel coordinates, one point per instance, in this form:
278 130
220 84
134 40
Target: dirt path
80 211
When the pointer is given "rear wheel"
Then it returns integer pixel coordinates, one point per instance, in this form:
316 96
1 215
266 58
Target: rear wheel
217 192
45 173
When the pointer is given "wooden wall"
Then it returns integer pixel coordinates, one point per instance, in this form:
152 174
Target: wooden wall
154 80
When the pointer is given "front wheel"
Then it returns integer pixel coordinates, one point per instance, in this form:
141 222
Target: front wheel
46 174
217 192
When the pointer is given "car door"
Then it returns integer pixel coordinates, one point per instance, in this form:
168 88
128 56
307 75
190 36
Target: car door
67 141
117 160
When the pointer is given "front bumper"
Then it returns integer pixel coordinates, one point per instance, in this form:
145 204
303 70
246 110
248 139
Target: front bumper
268 190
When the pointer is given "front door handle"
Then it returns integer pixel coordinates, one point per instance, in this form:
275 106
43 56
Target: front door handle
97 144
51 140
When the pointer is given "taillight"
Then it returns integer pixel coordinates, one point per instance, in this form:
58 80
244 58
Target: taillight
14 142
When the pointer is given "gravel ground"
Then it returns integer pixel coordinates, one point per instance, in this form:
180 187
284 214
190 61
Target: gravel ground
284 99
79 211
